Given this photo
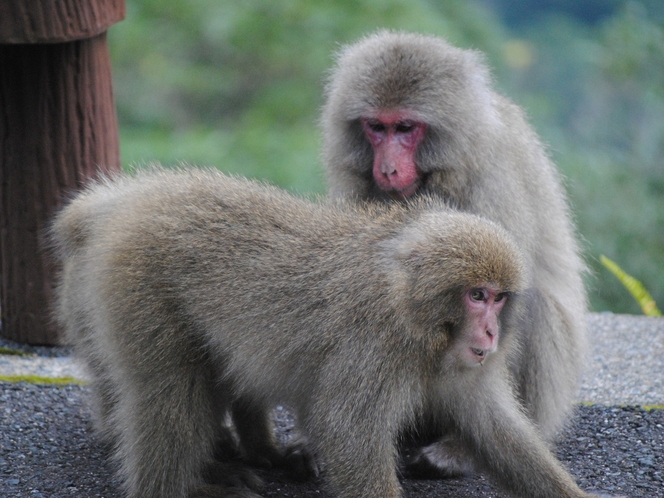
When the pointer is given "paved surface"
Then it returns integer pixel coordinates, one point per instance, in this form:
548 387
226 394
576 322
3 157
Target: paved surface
48 450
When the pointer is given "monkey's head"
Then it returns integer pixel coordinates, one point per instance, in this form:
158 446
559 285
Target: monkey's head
402 107
457 277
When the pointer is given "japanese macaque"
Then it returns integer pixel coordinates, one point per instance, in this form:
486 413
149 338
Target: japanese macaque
189 293
408 115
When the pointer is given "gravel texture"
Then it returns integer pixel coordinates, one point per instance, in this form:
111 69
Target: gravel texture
626 363
47 448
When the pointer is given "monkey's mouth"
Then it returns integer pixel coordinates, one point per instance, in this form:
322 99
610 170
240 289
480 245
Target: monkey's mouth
406 193
480 353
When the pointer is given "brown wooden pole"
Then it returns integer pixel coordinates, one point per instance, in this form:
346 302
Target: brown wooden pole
58 127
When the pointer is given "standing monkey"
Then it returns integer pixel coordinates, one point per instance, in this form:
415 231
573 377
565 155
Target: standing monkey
409 114
188 291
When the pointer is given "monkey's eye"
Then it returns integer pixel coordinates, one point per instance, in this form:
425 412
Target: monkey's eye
404 126
500 297
478 295
376 126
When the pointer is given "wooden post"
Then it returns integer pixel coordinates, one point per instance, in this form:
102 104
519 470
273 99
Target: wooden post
58 127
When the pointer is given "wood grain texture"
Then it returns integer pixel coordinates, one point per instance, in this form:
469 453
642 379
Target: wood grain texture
55 21
58 127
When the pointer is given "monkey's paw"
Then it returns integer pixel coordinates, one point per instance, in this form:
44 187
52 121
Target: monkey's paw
211 491
443 459
298 460
231 475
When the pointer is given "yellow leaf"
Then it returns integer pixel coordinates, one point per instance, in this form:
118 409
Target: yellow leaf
635 287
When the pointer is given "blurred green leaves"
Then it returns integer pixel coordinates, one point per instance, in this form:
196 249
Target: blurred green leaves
238 85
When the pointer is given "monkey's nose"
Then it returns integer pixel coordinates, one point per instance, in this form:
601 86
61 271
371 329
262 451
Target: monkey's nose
388 169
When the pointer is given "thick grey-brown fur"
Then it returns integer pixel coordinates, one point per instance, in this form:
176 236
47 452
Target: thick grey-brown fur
186 291
481 156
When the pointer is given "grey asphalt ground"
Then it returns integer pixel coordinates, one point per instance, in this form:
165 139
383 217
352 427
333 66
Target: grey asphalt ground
614 443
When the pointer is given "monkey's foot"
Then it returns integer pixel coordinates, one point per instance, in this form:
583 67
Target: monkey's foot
443 459
210 491
298 460
226 446
231 475
267 458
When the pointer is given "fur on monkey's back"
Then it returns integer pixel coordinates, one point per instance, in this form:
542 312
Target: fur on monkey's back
193 252
177 218
186 203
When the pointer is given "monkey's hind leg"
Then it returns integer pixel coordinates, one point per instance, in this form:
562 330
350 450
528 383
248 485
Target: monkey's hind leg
168 419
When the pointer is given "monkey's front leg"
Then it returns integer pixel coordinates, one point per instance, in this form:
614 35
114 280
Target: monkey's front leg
354 430
505 442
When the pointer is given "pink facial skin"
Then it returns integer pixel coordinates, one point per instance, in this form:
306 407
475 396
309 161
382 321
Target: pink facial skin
483 305
394 137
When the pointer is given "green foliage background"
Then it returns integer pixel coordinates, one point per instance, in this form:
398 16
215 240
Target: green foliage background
239 85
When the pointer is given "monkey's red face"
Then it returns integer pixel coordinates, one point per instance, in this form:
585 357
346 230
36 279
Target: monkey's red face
395 137
483 305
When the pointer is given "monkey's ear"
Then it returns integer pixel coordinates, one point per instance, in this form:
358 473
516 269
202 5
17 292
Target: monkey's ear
400 258
408 248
